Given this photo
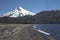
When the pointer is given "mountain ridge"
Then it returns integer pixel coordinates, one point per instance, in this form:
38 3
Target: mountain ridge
18 12
44 17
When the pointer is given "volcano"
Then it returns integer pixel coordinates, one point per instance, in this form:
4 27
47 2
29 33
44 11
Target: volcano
18 12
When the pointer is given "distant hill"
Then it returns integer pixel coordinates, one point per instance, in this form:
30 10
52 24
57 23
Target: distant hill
44 17
48 16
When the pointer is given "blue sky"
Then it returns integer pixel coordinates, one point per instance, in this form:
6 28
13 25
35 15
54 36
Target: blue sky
31 5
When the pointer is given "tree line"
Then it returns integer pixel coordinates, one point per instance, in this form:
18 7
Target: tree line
44 17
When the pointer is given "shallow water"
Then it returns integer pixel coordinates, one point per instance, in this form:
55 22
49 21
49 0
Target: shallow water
53 29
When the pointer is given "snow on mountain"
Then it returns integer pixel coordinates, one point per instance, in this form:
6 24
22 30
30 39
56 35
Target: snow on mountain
18 12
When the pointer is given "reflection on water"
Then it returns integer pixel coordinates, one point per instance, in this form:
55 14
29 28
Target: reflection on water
53 29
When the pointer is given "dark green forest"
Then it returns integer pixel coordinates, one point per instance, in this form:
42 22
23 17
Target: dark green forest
44 17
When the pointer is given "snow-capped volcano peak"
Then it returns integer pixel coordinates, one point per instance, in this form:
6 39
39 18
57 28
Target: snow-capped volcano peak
18 12
18 9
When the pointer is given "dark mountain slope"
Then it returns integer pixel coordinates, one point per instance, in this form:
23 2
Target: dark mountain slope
48 16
